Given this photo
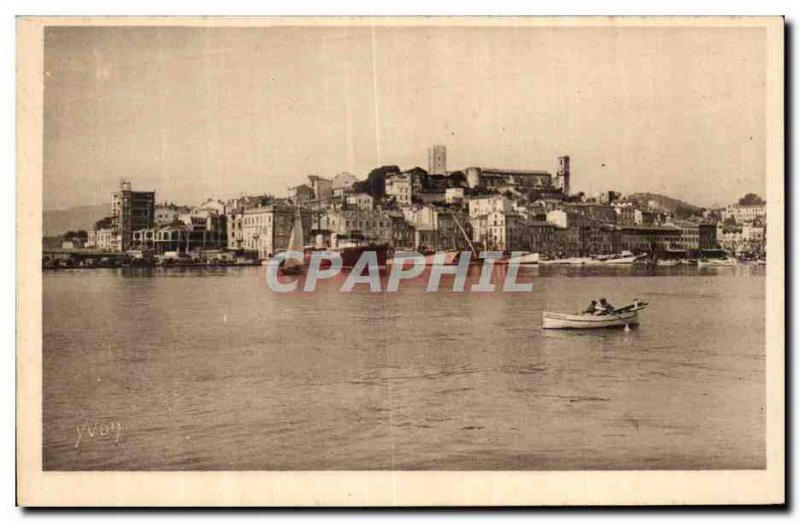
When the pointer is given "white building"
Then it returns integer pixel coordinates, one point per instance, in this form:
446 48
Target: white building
322 187
498 230
165 215
454 196
483 205
559 218
361 201
104 239
342 184
744 213
213 205
400 186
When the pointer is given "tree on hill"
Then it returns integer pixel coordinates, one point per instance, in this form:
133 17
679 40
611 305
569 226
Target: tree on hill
106 222
458 179
376 181
750 199
80 235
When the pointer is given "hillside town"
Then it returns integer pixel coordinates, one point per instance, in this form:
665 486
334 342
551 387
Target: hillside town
483 208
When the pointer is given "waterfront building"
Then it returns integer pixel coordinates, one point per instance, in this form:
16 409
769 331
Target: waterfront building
438 228
566 219
641 239
233 228
741 238
541 236
452 229
180 239
370 224
403 233
689 235
498 230
130 211
266 229
599 239
567 242
421 216
437 159
707 236
102 239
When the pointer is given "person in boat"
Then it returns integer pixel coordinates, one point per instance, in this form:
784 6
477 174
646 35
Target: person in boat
605 306
592 307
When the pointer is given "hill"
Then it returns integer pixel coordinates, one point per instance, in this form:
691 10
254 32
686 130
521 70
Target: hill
658 202
57 222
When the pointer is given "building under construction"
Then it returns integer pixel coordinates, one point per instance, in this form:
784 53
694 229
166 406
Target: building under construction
130 211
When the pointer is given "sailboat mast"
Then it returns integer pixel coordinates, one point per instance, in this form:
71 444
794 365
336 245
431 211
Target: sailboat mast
469 242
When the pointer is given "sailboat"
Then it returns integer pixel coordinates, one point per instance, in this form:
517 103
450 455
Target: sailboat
292 266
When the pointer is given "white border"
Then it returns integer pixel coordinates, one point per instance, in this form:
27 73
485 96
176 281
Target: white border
146 7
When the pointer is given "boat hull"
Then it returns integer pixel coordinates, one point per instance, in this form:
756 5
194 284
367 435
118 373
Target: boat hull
351 255
292 270
554 321
627 260
529 259
717 262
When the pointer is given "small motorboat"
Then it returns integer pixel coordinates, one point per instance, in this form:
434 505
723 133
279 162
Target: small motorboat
667 262
529 259
730 261
624 317
625 258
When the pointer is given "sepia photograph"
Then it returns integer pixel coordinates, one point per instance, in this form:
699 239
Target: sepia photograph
404 245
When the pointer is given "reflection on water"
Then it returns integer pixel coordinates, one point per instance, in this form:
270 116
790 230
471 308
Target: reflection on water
208 369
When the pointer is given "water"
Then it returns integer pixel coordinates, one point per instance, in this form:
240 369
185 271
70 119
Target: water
206 369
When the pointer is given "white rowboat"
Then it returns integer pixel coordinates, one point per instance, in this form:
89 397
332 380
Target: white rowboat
625 317
554 321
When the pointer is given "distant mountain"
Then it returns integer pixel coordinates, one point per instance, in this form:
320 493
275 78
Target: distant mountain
658 202
57 222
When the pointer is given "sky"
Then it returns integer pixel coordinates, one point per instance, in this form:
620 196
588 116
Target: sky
194 113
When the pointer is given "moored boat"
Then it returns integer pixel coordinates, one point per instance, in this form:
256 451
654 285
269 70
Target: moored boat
351 252
529 259
450 258
717 262
667 262
625 258
292 265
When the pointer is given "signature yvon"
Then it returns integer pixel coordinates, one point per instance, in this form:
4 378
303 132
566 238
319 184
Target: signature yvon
104 430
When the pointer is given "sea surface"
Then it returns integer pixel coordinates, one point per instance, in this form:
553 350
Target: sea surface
208 369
